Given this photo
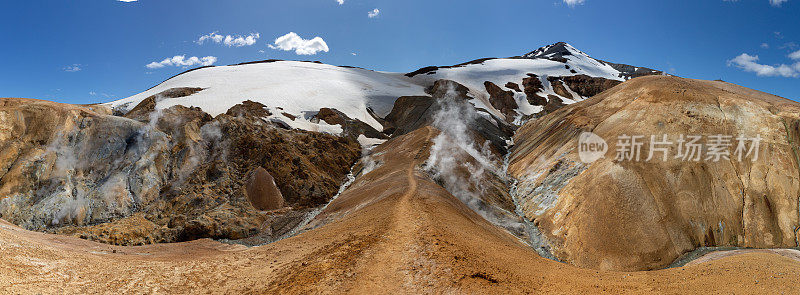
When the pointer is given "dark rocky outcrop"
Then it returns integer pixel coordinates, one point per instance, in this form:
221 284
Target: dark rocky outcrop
628 72
352 128
501 100
146 106
587 86
442 87
513 86
553 103
249 108
558 87
408 114
429 70
532 85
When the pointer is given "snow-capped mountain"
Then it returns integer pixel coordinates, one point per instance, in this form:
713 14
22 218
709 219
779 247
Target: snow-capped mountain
548 65
299 89
564 52
508 88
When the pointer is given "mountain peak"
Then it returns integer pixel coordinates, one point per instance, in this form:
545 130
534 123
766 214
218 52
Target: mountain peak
554 51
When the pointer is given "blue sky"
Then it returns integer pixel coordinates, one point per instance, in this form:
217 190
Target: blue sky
86 51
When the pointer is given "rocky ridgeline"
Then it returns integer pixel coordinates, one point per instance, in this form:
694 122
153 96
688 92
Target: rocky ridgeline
161 176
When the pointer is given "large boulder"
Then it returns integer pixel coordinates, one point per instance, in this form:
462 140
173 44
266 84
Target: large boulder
623 214
262 191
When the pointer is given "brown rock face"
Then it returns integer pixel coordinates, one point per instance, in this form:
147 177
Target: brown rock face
330 116
621 214
352 127
249 108
440 88
589 86
501 100
532 86
409 113
513 86
558 87
148 104
553 103
262 191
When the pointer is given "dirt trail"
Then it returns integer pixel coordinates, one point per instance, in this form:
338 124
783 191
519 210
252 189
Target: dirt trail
402 243
393 231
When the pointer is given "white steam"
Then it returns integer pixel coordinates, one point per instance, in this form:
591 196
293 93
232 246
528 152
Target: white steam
461 165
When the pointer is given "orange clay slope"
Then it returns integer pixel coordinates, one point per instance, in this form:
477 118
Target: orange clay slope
393 231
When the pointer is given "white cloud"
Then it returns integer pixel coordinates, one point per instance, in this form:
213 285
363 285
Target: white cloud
573 3
795 55
789 45
214 37
765 45
292 41
340 2
73 68
777 3
182 61
230 40
127 0
749 63
374 13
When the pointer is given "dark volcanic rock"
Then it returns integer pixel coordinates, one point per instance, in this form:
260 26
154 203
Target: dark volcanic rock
501 100
532 86
558 87
513 86
432 69
146 106
629 72
352 127
408 114
441 88
556 52
553 103
589 86
249 108
331 116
